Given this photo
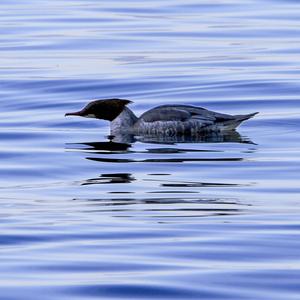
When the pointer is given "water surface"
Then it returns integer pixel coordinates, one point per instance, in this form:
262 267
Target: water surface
84 217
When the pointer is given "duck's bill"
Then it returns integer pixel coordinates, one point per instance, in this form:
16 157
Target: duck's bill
75 113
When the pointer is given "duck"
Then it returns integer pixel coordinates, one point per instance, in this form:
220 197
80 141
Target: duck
170 120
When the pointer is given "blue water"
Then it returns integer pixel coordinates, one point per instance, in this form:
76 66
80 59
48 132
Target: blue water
85 218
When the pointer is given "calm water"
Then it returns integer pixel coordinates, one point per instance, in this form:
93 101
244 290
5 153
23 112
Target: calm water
86 218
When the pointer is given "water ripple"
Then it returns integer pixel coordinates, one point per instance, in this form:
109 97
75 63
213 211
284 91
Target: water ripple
85 215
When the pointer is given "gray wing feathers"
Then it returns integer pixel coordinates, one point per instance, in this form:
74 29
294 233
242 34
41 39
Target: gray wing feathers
186 117
165 114
182 113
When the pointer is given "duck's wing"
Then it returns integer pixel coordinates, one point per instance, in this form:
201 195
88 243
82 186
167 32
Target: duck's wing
165 114
183 113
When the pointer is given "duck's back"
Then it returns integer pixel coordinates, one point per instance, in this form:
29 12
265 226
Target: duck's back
177 119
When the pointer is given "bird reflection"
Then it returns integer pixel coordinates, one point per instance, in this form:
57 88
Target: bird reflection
166 208
172 198
122 144
110 178
110 145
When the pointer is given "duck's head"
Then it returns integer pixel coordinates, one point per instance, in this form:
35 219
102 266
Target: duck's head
106 109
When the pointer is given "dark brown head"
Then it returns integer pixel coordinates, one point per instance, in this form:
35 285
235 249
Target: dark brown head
107 109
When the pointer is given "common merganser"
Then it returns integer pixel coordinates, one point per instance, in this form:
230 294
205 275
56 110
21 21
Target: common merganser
164 119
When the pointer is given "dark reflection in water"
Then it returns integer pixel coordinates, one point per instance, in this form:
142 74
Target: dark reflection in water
138 148
166 207
128 178
106 147
102 147
199 184
129 149
162 160
110 178
122 144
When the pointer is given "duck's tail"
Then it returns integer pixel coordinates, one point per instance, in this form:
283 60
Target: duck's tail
237 120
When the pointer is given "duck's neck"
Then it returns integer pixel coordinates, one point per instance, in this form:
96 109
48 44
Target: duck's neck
123 122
